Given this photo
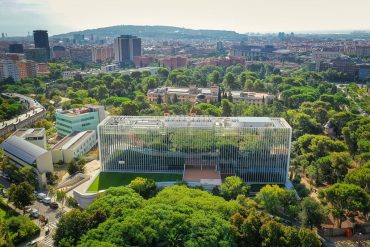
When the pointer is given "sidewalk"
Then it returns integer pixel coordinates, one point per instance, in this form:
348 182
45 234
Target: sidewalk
347 242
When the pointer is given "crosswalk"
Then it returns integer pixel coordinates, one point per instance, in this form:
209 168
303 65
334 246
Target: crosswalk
48 240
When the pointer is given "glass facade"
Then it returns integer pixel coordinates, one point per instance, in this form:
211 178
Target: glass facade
256 149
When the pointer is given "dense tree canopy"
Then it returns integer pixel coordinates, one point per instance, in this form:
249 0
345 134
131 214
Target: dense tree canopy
344 199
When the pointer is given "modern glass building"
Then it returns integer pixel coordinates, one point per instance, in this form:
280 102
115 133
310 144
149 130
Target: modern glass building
255 148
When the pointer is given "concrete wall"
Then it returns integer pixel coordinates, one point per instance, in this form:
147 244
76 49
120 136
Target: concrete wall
57 155
45 163
68 155
85 199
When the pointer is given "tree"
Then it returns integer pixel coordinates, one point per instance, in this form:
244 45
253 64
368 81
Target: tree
159 99
22 195
340 163
344 199
275 199
163 73
102 92
4 160
51 192
247 230
71 227
144 186
226 108
129 108
71 202
176 216
75 166
28 175
61 196
312 214
219 96
229 81
175 99
214 77
232 187
308 238
272 234
360 177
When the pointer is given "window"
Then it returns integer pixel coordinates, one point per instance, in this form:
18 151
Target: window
86 119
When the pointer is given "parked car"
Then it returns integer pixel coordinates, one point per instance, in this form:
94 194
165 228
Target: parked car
46 200
41 196
6 176
43 219
32 243
28 209
35 213
53 205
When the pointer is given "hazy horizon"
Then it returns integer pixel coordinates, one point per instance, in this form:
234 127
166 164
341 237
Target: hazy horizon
18 17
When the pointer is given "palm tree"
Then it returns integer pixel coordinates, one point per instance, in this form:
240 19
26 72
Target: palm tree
51 192
61 196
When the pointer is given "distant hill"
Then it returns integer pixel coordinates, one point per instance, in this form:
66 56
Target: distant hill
158 32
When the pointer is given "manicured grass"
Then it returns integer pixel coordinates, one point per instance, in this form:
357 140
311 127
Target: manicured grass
113 179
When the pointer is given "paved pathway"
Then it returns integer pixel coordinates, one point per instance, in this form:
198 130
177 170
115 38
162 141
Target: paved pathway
48 239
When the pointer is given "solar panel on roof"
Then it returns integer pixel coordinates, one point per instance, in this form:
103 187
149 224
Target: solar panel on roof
22 149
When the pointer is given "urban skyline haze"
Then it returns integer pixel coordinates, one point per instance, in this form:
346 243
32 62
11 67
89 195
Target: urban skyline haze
18 17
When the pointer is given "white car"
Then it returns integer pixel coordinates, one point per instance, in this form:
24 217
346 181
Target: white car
35 213
28 209
41 196
46 200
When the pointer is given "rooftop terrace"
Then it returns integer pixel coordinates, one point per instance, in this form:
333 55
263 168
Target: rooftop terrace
78 111
73 140
29 132
196 121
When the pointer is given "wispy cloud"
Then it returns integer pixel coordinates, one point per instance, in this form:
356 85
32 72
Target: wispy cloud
22 5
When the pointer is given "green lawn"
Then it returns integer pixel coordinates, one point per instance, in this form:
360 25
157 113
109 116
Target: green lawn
113 179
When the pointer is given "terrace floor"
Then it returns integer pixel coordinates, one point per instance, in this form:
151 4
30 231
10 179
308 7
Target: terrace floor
196 173
113 179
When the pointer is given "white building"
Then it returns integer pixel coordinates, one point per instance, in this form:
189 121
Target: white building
109 68
74 145
34 136
8 68
23 153
194 94
257 149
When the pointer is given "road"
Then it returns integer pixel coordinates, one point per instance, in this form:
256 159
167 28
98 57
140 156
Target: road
53 216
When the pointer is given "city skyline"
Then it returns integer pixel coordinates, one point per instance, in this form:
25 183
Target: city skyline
18 17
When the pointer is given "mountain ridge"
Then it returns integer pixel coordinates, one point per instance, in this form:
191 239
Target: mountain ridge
157 32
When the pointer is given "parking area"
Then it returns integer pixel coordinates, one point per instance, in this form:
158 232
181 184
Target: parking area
45 210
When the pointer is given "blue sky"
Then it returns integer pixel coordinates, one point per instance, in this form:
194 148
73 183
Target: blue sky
17 17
